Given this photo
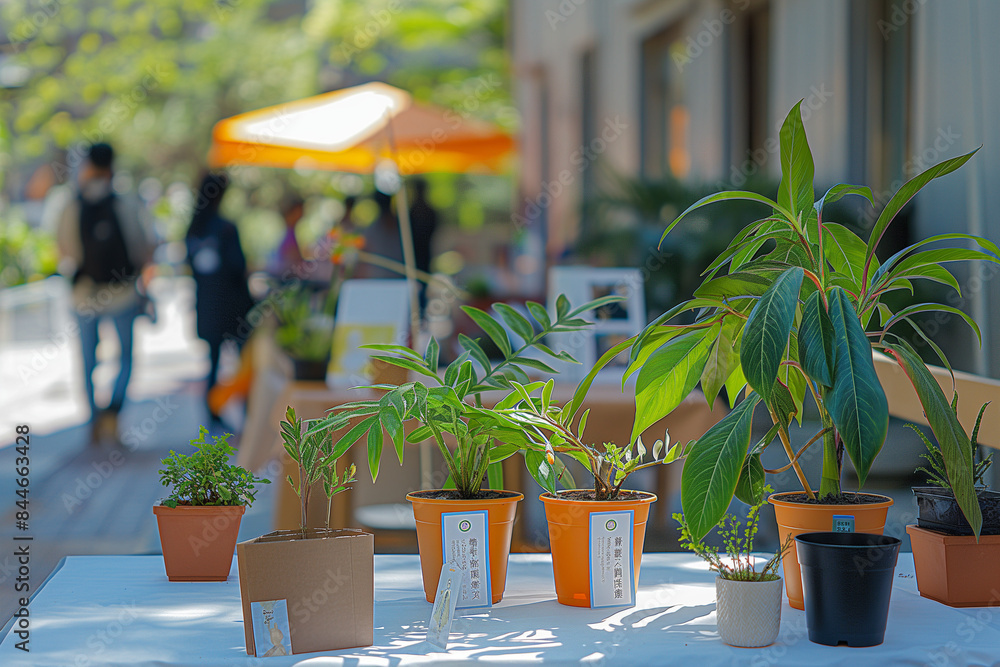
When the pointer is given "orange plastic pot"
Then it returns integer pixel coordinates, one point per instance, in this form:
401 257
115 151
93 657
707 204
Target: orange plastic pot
500 523
797 518
956 570
569 538
198 542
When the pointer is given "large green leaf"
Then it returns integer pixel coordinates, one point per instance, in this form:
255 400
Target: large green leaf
669 375
890 263
954 443
856 402
722 359
765 335
712 468
726 196
842 190
750 486
934 307
795 192
491 327
817 352
845 251
905 193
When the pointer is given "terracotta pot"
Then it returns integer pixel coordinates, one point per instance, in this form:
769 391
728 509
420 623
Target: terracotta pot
198 542
954 569
500 519
797 518
569 538
748 613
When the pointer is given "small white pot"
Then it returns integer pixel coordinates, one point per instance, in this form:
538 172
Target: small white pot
748 612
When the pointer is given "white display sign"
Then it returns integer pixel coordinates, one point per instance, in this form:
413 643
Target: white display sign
443 612
465 544
612 582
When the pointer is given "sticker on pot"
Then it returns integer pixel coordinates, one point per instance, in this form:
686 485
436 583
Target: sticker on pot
443 613
843 523
612 582
271 635
466 545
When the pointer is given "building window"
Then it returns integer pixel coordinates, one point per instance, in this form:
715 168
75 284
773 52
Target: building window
665 118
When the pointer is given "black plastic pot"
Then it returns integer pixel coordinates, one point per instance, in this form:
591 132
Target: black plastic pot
847 581
310 370
938 510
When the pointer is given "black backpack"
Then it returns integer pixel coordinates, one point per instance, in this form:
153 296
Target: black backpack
105 253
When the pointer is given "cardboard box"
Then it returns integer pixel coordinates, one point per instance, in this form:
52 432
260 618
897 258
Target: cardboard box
327 579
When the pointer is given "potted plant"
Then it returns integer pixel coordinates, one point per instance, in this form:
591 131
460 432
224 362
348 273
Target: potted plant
748 601
450 411
955 566
583 521
305 328
325 576
200 520
787 311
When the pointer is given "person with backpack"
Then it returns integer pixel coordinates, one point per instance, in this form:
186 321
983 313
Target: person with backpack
104 245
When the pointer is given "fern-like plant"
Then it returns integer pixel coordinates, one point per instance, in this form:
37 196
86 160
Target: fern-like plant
205 477
937 473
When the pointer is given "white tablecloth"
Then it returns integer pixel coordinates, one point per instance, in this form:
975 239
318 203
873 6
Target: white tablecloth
121 610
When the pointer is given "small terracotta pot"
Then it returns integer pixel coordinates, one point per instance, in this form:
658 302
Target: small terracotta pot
198 542
797 518
956 570
500 523
569 538
748 613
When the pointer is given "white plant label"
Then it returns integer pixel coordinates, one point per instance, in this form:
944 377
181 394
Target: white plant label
443 612
612 582
466 545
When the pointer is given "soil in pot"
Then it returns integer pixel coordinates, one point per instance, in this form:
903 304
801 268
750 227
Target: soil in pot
847 579
794 518
938 510
428 506
198 542
569 537
748 613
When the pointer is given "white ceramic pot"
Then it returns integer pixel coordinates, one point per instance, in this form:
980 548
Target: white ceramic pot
748 612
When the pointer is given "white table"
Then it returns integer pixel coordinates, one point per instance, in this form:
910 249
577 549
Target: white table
121 610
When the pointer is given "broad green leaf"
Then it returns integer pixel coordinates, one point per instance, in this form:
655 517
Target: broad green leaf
540 470
726 196
954 443
354 434
712 468
795 192
669 375
734 286
581 389
374 449
816 345
394 426
856 402
845 251
490 327
905 193
595 305
765 335
734 385
477 353
408 364
932 307
652 342
750 486
722 359
842 190
890 263
541 315
914 263
515 320
494 475
431 354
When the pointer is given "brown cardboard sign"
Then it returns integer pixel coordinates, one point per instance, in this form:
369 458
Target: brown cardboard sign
327 578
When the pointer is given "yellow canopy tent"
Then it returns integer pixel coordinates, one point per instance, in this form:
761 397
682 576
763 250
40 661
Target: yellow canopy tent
357 129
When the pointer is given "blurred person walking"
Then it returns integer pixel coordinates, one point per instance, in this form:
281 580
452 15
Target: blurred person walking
285 262
382 238
423 223
219 268
104 243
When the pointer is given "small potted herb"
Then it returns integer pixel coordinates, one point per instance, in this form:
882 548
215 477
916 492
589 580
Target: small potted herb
954 565
200 520
748 600
325 575
450 411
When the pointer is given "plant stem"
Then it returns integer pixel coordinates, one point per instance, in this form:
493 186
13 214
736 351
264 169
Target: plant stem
783 435
830 481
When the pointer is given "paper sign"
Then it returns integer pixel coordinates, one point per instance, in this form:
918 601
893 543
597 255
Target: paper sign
466 545
612 582
270 628
843 523
443 612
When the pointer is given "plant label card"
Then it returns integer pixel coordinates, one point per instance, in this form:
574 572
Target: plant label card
443 613
612 581
843 523
271 635
466 544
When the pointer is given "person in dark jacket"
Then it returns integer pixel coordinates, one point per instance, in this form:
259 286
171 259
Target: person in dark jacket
219 267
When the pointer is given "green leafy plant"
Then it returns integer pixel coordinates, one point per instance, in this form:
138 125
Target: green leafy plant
739 563
305 328
205 477
449 409
937 474
313 453
787 310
